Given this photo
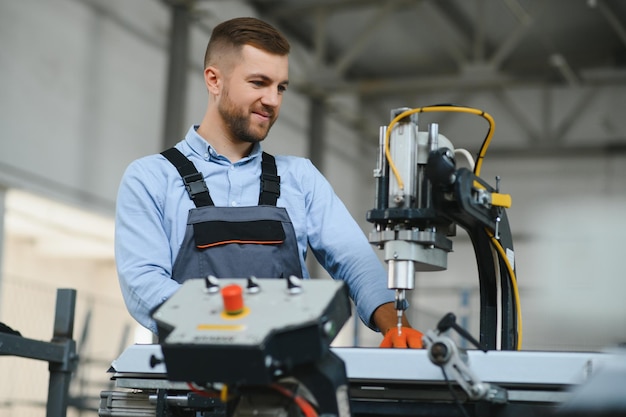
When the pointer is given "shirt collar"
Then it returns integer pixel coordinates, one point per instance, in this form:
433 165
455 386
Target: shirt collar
205 150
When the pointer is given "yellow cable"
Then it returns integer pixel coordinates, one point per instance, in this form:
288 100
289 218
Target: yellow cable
518 307
458 109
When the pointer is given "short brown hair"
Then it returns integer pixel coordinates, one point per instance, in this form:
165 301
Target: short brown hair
235 33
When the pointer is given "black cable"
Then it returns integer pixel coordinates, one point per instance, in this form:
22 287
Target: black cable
457 401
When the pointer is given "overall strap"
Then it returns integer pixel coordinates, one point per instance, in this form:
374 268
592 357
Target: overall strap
270 182
199 192
194 182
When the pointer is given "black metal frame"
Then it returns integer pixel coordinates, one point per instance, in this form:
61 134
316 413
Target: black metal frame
60 352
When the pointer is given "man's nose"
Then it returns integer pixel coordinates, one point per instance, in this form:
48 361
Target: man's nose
271 98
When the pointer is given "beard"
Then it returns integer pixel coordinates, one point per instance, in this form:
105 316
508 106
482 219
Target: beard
238 121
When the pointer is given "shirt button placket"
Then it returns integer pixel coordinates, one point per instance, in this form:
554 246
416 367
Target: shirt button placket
233 203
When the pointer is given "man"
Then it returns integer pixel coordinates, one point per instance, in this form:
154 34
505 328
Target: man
281 205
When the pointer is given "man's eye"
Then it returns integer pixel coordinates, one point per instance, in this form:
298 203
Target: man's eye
258 83
282 88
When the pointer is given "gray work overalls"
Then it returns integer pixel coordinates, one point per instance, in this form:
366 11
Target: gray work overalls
235 242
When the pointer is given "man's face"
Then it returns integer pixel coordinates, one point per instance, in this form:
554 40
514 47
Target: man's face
252 94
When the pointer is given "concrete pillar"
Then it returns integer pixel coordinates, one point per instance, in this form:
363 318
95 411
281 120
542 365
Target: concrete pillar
176 96
3 193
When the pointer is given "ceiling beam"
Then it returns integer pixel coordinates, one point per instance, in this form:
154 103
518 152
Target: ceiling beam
574 113
453 49
359 42
514 38
523 122
444 83
560 63
611 17
329 6
480 23
319 38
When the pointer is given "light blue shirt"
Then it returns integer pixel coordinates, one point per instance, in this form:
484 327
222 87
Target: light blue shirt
151 217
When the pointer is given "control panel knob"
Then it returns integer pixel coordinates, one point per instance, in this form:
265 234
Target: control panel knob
211 284
252 286
294 285
233 299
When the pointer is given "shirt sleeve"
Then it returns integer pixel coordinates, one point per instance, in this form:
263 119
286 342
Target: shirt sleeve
142 249
342 249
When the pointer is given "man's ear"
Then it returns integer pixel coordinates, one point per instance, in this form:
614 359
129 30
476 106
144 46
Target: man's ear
213 80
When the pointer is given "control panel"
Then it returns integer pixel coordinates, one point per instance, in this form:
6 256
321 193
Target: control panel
249 331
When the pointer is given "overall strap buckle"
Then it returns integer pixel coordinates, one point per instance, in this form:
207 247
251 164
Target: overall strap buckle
193 180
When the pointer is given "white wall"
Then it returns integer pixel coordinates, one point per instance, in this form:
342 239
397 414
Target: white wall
81 95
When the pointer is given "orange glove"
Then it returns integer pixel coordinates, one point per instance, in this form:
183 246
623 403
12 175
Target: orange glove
409 338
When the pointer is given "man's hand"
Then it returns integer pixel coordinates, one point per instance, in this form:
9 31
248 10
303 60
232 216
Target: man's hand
408 338
386 319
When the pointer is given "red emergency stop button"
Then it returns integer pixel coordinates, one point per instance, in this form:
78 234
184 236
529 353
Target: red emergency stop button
233 299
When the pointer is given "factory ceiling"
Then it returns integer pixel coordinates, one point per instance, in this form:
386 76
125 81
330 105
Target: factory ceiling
383 53
381 47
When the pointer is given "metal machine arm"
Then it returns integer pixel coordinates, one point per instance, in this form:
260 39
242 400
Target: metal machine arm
443 352
420 198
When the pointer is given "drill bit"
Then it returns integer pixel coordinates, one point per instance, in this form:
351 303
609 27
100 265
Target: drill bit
400 305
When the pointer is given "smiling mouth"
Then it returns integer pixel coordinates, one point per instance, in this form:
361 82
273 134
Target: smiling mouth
263 116
264 113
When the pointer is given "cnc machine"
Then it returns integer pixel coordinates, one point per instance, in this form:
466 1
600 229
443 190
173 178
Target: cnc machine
260 358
